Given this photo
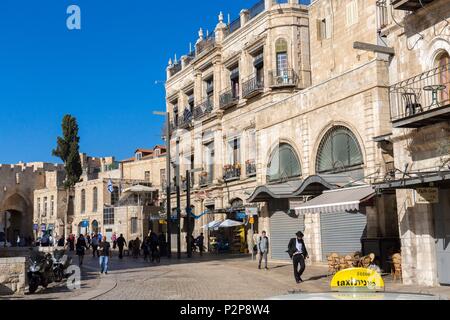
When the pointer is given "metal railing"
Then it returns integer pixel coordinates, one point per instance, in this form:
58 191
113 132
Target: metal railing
228 98
421 93
250 168
258 8
185 121
283 78
202 109
231 172
205 179
206 44
252 86
175 69
184 183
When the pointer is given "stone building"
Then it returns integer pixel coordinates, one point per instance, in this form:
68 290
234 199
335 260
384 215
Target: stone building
277 108
17 185
419 88
103 203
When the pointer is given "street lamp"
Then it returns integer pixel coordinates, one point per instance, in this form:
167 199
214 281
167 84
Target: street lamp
167 138
188 209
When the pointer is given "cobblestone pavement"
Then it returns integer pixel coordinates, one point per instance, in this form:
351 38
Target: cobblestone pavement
206 278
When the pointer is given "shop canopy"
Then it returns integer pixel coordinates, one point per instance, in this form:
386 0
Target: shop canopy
213 224
313 185
230 223
139 189
338 201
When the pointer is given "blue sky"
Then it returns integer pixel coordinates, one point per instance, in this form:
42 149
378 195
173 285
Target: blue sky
103 74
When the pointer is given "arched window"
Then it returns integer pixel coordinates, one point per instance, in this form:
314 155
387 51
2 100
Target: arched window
443 63
339 151
83 201
95 199
284 164
281 51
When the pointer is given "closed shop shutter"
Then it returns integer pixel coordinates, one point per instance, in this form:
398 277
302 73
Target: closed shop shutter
341 233
283 228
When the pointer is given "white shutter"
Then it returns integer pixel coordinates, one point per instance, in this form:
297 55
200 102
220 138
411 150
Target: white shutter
352 12
328 27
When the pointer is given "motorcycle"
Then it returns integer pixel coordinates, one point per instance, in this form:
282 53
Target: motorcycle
61 261
40 271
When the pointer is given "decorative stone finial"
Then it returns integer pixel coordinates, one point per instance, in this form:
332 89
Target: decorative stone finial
170 62
221 17
200 34
176 60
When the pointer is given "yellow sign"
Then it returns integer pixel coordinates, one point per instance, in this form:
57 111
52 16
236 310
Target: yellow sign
427 195
252 220
357 279
162 222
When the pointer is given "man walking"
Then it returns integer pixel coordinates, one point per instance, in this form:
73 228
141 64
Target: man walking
105 255
94 244
298 253
200 243
121 242
263 249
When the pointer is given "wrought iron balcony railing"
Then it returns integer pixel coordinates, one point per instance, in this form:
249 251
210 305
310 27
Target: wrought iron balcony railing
205 179
421 100
250 168
252 87
186 120
191 184
228 98
202 109
231 172
409 5
283 78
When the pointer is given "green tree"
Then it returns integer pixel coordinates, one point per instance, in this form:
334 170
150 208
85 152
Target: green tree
68 150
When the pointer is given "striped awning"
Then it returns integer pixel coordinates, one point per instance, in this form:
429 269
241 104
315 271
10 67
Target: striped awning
340 200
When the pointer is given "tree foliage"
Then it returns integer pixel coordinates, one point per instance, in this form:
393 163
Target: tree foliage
68 150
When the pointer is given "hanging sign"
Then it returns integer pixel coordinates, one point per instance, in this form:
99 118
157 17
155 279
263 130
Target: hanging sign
357 279
427 195
251 211
252 220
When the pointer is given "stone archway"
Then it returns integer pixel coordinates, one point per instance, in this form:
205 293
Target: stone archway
17 214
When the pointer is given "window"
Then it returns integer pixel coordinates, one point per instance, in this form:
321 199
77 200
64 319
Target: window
251 145
52 205
339 151
283 164
443 62
95 199
191 101
209 84
234 78
139 156
147 176
281 49
83 201
352 13
234 151
39 206
45 206
209 159
108 216
162 174
175 112
134 225
115 196
324 28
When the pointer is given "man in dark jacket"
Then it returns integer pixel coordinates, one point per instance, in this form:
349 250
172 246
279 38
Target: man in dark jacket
298 253
121 242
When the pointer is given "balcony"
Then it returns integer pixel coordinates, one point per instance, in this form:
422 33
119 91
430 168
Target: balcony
206 44
203 109
421 100
231 172
409 5
250 168
205 179
228 99
283 78
252 87
185 121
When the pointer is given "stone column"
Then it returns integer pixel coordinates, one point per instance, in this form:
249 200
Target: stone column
268 4
244 16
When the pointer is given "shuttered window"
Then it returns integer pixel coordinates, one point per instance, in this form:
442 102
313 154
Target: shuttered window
352 13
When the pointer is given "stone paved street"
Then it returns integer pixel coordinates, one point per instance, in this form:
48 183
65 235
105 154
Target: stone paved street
207 278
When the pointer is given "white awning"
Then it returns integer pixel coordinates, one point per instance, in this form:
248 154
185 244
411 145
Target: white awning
230 223
212 225
139 189
335 201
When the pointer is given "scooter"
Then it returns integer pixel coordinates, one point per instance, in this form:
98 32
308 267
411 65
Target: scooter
40 272
61 261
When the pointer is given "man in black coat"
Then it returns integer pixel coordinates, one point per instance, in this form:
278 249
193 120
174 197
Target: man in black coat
298 253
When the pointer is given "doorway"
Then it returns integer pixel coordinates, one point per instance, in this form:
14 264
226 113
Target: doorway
442 230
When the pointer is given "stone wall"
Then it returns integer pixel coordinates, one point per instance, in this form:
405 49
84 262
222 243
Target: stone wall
12 276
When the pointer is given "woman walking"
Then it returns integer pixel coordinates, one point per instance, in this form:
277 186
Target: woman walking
81 247
146 248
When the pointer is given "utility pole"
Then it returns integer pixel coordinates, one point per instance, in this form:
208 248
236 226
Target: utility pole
169 209
178 211
188 213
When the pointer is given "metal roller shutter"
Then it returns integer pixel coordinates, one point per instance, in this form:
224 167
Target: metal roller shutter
341 233
282 229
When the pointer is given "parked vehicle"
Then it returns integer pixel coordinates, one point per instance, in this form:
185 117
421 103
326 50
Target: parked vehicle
40 272
61 261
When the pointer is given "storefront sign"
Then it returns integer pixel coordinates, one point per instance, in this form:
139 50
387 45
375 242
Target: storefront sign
251 211
252 220
162 222
427 195
357 279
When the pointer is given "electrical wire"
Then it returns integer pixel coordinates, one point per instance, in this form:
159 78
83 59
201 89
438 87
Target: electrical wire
434 25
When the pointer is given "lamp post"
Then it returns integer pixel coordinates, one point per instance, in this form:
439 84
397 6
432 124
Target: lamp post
167 138
188 209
